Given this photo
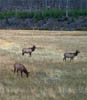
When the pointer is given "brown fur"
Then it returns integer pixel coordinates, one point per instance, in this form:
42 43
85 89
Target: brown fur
71 55
28 50
20 68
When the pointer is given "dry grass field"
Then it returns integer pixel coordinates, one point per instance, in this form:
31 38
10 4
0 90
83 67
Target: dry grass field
50 78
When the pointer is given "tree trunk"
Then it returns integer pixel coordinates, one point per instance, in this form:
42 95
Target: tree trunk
67 8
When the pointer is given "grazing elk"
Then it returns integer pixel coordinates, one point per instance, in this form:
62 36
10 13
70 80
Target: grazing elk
28 50
70 55
20 68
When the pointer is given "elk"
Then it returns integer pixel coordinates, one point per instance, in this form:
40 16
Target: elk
71 55
20 68
28 50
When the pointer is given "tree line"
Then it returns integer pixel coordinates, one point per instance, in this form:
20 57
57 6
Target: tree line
43 4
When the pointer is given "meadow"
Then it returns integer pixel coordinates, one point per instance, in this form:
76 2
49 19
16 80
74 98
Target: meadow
50 77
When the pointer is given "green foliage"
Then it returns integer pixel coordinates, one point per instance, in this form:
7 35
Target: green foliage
54 13
6 14
39 15
9 14
76 13
1 16
7 21
24 15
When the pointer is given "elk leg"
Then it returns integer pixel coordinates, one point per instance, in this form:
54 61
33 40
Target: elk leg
14 70
64 58
71 59
30 54
17 71
21 73
22 53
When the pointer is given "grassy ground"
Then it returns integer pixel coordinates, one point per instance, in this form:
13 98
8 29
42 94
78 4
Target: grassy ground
50 77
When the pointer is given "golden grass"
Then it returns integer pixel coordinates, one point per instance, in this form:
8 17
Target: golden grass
50 77
42 33
5 44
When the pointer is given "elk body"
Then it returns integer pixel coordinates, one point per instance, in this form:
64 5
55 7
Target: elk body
28 50
71 55
20 68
